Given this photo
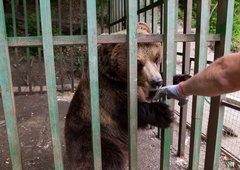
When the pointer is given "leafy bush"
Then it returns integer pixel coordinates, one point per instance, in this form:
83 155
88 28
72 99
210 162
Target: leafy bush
236 27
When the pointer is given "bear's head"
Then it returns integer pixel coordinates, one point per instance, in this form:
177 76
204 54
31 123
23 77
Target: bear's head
113 61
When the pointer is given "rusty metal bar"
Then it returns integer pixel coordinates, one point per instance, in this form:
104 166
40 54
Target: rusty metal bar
132 82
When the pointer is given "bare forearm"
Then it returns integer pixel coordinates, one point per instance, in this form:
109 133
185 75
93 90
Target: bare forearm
222 76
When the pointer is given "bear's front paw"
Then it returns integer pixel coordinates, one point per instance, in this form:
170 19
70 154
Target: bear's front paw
180 77
164 116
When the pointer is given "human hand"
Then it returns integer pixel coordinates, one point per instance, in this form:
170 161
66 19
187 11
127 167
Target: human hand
172 91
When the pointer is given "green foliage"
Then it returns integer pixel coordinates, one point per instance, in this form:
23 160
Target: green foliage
78 61
213 19
236 27
56 57
104 12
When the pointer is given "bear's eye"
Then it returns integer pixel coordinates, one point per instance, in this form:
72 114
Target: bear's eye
139 65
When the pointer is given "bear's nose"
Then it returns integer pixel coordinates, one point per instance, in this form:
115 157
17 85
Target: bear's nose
156 83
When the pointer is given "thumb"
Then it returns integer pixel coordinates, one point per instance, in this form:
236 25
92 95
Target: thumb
183 101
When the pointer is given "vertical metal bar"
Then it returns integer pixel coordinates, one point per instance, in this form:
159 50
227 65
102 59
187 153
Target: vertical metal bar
81 33
7 95
224 28
200 63
39 48
185 70
93 76
162 19
71 48
187 30
102 25
138 7
169 69
148 13
81 19
15 49
132 82
161 32
110 16
27 49
60 49
154 19
141 4
117 16
175 58
45 11
120 13
123 14
113 15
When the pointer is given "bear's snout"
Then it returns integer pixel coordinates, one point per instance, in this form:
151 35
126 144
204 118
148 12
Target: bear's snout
156 83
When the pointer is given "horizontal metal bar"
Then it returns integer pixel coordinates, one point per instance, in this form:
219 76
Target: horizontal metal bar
230 105
37 89
34 41
229 154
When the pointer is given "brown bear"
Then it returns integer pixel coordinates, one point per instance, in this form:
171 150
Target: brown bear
113 105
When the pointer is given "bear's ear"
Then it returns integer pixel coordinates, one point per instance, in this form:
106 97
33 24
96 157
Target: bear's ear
142 26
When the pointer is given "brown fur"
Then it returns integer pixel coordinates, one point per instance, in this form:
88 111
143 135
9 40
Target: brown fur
113 105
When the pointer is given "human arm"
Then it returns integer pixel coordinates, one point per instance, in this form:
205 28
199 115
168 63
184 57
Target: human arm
220 77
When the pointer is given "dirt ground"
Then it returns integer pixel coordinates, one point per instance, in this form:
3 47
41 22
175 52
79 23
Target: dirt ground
36 144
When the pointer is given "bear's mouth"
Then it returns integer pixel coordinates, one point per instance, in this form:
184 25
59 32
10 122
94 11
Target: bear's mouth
151 94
